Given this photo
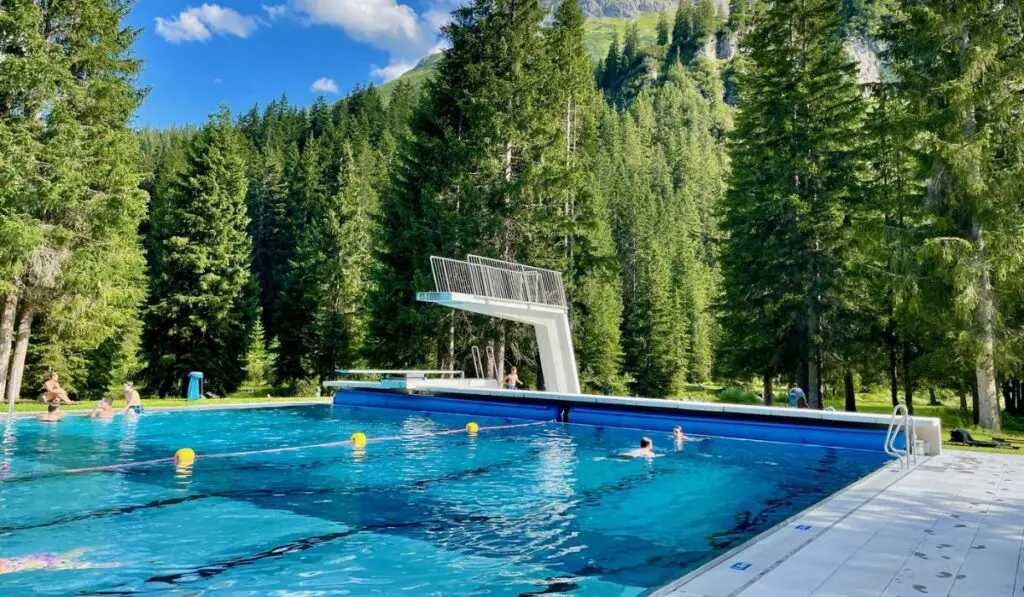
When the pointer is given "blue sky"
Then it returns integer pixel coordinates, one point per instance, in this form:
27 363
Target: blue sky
244 52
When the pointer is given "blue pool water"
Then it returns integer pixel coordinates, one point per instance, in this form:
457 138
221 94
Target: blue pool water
524 511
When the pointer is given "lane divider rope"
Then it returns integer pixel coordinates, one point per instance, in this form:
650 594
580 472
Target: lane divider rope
335 444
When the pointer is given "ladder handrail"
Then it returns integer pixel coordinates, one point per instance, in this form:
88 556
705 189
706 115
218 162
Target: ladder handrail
491 361
477 363
901 421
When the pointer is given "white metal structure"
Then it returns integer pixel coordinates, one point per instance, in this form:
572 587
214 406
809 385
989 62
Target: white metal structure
902 421
515 292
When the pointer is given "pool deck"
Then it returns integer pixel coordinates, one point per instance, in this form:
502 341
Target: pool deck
953 525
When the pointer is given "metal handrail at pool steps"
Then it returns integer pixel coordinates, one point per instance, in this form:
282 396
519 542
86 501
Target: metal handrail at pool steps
763 423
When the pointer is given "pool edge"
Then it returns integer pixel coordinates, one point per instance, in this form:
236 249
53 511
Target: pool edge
891 476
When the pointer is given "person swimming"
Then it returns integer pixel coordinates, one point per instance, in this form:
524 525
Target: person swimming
48 561
646 450
52 414
133 402
677 434
104 410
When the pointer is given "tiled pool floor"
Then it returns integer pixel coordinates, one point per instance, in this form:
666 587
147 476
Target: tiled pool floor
954 525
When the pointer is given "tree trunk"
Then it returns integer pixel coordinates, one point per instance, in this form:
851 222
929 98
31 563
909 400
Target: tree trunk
894 388
908 379
984 312
963 404
17 370
851 396
500 357
7 317
769 396
932 399
975 403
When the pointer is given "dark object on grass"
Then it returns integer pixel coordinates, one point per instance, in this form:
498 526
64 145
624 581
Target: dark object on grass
962 436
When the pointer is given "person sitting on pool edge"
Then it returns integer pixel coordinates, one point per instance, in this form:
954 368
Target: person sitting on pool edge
104 410
52 414
133 402
512 379
646 450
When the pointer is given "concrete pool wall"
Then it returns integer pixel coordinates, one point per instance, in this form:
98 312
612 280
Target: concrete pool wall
788 425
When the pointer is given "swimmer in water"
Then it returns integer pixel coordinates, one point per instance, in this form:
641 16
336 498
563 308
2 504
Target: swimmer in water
646 450
48 561
677 434
52 414
104 410
133 402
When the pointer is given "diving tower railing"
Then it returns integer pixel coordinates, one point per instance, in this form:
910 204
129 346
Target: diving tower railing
503 280
516 292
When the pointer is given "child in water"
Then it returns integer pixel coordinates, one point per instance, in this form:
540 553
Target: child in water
48 561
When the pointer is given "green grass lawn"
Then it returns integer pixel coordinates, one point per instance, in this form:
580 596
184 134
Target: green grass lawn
878 402
35 406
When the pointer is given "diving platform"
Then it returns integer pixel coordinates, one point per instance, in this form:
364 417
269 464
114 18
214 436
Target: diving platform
515 292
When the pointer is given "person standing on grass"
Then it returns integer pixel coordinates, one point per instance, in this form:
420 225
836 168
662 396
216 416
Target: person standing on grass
796 395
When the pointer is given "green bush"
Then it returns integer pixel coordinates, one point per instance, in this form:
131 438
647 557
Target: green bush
738 396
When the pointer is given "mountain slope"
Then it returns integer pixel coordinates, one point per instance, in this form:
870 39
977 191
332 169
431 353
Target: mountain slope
599 33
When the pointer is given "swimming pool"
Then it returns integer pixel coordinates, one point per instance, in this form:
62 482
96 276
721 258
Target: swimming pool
528 510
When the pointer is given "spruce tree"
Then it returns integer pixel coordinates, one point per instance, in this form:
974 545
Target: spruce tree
590 269
70 204
663 29
612 64
794 192
958 66
201 299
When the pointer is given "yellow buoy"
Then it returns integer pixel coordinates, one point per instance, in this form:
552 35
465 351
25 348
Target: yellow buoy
472 428
184 457
358 439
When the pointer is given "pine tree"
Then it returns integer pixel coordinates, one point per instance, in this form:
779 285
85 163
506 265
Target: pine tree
591 271
259 358
612 62
958 66
631 48
794 191
201 301
70 203
682 32
663 29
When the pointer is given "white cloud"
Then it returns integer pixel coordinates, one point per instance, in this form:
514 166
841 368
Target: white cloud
325 85
200 24
391 71
218 80
274 11
385 24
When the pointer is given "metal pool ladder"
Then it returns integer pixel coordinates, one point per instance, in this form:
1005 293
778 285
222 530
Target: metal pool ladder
902 421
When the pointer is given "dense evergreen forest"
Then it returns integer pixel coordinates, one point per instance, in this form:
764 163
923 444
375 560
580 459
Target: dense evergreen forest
729 202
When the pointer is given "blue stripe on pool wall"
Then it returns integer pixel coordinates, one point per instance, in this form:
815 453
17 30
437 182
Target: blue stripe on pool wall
717 425
833 437
530 412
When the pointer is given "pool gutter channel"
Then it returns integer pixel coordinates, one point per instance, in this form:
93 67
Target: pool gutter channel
885 476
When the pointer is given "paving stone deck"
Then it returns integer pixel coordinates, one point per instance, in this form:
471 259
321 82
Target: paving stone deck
953 525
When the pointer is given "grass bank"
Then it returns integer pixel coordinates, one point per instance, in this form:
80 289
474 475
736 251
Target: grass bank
30 407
